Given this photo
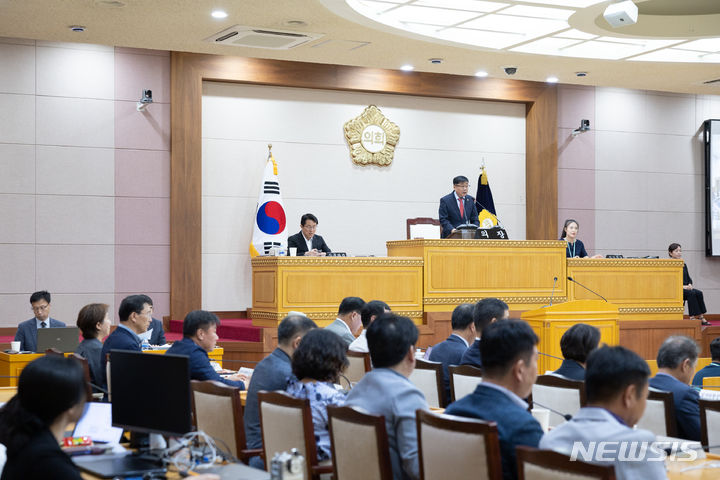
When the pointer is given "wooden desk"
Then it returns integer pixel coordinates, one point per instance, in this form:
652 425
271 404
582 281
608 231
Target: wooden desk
12 364
317 285
674 469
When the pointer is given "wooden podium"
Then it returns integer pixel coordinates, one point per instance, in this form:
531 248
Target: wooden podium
549 323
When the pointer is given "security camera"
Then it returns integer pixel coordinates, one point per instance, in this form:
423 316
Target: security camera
145 100
510 70
621 14
584 127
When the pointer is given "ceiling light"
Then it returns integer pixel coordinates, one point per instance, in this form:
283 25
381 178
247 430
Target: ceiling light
581 74
481 73
552 79
219 14
407 68
435 61
77 28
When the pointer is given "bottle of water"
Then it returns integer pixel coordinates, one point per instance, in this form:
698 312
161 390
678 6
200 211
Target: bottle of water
145 344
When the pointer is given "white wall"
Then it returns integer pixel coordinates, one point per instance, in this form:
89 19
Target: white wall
359 208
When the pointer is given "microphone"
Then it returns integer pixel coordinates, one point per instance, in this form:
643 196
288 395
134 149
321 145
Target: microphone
552 294
586 288
483 207
566 416
99 388
551 356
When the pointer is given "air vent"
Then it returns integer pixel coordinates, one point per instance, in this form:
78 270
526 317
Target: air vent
711 82
256 37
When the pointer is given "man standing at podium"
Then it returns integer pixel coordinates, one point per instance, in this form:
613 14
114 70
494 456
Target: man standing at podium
457 208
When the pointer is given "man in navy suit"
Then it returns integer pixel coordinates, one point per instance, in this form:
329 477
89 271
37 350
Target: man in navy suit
712 370
135 314
576 344
450 351
486 311
457 208
272 373
509 358
676 361
27 331
306 242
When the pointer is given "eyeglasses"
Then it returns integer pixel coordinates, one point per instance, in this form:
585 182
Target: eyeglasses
40 308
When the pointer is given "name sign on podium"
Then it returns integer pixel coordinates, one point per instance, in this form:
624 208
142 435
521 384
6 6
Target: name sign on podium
467 232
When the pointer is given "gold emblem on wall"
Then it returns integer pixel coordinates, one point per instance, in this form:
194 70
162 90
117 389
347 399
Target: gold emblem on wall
371 138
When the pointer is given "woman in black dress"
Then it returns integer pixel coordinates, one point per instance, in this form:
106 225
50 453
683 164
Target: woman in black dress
694 297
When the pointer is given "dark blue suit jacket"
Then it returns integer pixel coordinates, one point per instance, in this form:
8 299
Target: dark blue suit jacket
578 248
687 406
200 368
27 333
572 370
515 425
120 339
449 213
472 355
712 370
299 242
158 334
449 352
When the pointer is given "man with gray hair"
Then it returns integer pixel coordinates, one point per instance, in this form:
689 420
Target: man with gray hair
676 361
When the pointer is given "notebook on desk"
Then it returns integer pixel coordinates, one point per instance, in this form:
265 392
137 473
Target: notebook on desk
64 339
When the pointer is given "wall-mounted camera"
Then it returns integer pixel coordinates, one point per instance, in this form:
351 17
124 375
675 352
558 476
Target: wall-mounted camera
584 127
145 100
510 70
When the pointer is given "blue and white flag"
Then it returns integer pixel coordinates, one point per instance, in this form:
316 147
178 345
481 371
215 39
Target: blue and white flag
270 226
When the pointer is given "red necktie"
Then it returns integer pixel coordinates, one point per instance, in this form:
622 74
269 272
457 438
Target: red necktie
462 207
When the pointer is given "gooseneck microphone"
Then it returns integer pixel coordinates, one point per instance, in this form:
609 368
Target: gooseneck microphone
566 416
552 295
586 288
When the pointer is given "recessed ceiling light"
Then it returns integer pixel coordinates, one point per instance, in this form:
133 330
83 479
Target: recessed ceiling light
435 61
581 74
110 3
407 68
219 14
295 23
77 28
481 73
552 79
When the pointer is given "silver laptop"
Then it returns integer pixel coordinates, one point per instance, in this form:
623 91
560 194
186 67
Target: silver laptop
64 339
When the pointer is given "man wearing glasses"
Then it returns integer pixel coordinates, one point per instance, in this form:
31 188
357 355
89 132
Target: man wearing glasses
27 330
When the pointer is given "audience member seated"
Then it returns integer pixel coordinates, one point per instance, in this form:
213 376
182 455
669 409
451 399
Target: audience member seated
157 332
694 297
616 385
509 359
450 351
317 364
369 313
135 315
94 323
576 344
712 370
199 338
386 390
348 320
27 330
306 242
676 362
486 311
272 373
50 396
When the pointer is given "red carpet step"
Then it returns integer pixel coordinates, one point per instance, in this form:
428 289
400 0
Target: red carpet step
235 329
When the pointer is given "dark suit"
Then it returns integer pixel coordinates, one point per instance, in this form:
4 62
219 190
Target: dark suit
472 355
687 407
712 370
200 368
449 352
120 339
38 459
158 333
515 424
695 298
91 350
27 333
449 213
298 241
572 370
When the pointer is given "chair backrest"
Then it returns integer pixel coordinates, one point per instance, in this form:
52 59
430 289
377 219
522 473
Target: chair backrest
659 415
423 227
428 377
535 464
359 444
217 410
286 423
711 382
457 447
710 424
561 394
359 365
86 373
463 380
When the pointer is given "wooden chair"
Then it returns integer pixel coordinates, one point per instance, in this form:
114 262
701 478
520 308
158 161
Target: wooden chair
561 394
535 464
359 443
359 365
710 424
428 377
659 416
217 410
463 380
457 447
286 423
423 227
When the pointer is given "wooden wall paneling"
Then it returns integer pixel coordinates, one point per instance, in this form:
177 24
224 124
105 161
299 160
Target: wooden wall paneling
644 337
189 70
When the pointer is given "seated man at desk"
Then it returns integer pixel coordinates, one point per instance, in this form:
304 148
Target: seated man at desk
306 242
199 338
27 330
457 207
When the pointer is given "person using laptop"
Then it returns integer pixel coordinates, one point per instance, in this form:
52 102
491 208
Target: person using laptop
27 330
